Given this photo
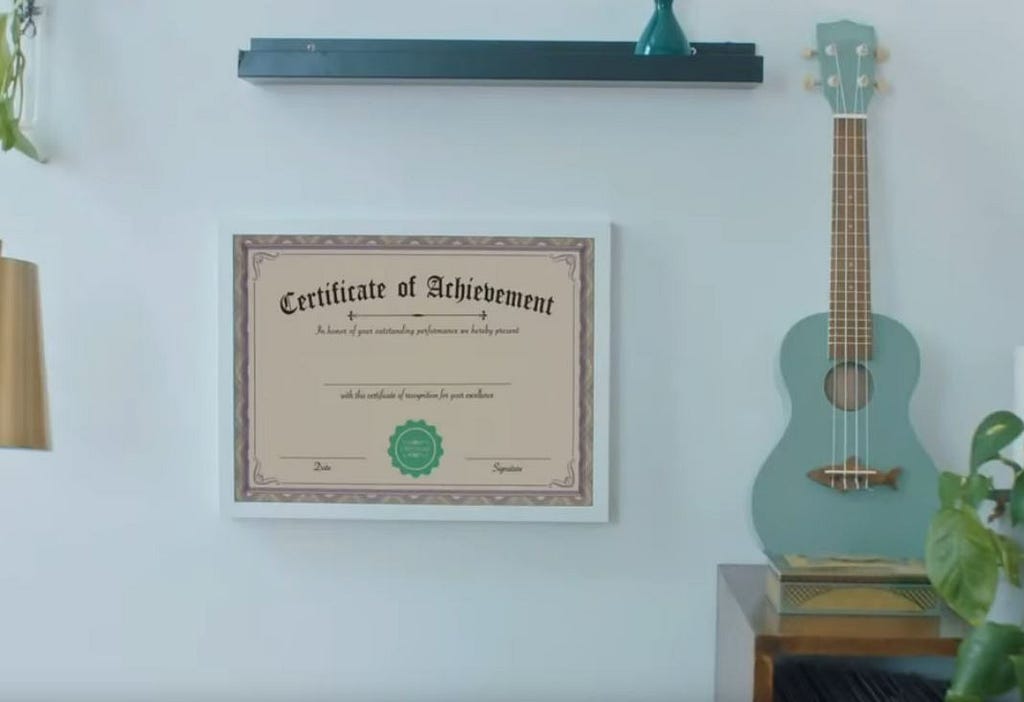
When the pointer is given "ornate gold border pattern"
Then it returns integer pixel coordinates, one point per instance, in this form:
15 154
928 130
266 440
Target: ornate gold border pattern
578 255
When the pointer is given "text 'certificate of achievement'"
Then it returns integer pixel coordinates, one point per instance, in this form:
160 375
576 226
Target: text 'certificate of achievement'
419 377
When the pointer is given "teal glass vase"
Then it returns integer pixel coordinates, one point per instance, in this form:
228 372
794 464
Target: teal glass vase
663 35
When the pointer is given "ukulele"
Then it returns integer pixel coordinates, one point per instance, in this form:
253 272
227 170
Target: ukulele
849 475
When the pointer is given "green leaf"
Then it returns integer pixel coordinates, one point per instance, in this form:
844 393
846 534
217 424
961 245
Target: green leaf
11 136
1017 661
1010 557
963 562
983 665
956 697
976 489
1017 500
996 432
22 144
5 48
8 126
950 487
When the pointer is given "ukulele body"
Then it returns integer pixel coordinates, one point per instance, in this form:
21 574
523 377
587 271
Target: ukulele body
794 514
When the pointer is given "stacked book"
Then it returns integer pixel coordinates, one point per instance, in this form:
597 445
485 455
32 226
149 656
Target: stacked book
850 585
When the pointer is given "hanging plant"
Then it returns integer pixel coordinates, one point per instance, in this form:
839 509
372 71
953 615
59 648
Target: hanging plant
14 26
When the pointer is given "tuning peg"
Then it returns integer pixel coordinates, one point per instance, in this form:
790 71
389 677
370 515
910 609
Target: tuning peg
809 53
881 54
810 82
882 86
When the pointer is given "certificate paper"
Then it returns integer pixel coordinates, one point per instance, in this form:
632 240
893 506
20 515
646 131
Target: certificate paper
428 371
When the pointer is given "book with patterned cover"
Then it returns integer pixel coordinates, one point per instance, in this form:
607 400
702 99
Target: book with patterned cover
850 585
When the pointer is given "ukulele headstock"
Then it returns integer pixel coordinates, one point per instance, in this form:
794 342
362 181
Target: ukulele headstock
847 54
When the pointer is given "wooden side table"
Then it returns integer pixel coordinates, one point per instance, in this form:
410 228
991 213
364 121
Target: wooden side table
751 635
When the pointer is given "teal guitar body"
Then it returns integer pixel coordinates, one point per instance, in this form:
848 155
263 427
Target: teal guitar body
793 513
849 476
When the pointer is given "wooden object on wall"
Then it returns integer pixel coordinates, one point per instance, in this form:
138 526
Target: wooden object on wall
23 411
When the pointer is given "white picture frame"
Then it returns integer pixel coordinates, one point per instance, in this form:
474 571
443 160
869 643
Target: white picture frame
597 231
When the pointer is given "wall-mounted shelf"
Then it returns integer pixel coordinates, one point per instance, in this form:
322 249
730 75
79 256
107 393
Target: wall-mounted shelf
459 61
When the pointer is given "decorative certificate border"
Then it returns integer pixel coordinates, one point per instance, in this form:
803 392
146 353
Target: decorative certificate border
246 492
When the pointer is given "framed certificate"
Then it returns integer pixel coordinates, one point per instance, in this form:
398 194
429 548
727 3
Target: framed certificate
423 370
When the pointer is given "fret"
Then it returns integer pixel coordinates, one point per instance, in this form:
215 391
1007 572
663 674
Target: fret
846 354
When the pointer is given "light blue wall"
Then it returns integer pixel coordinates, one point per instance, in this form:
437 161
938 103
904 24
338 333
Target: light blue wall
119 578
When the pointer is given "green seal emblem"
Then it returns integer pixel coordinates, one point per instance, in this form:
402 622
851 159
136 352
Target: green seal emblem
415 448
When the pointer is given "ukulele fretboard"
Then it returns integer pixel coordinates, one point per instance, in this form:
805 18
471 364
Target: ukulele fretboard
849 332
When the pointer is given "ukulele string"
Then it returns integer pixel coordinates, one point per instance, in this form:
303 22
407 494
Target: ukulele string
867 291
844 228
858 107
833 299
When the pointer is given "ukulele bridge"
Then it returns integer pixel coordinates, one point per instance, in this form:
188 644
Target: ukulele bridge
851 474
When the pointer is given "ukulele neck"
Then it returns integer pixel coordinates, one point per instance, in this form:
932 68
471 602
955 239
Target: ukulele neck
850 328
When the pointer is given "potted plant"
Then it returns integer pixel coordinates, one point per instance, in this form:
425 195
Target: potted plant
15 26
966 556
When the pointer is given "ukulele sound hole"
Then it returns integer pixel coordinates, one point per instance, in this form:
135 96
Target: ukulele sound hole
848 386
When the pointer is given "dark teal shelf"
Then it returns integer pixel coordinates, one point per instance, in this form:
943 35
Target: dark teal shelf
532 62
